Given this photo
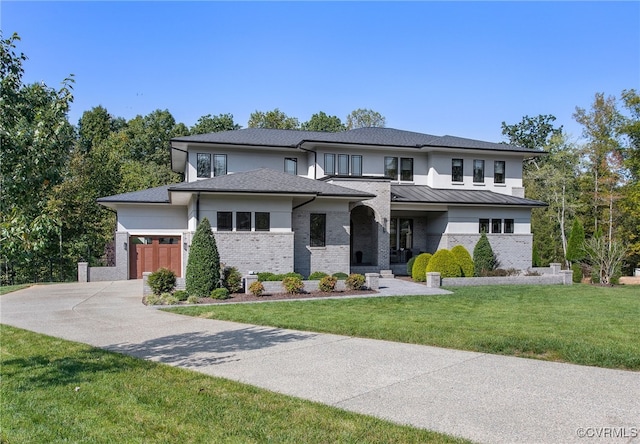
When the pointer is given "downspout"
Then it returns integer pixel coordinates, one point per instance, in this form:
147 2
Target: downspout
315 160
304 203
198 209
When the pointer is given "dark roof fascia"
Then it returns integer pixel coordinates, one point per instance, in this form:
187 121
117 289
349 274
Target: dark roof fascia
271 193
243 145
371 145
516 150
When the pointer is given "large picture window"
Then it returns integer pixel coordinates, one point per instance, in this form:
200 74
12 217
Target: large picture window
478 171
204 165
219 164
498 171
457 173
318 230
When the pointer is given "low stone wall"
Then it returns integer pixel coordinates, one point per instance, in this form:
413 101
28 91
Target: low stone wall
548 276
99 274
371 282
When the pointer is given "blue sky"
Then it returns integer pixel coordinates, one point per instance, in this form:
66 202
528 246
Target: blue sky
441 68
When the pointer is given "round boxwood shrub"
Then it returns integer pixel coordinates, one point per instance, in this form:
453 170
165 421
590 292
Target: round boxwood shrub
444 262
317 275
220 293
162 281
355 281
410 262
203 267
292 284
340 276
180 295
328 283
464 260
419 269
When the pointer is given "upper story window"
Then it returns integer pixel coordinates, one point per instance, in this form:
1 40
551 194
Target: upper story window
329 164
204 165
391 168
457 172
356 165
219 164
508 225
498 171
343 164
291 165
478 171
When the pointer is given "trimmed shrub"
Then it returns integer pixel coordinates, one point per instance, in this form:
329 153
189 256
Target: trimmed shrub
464 260
484 260
203 268
328 283
292 284
162 281
271 277
317 275
256 288
265 276
576 277
419 269
355 281
220 293
153 299
181 295
193 299
231 279
410 262
445 263
340 276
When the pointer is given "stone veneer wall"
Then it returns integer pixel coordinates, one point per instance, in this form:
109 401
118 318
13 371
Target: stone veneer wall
332 258
512 250
118 273
256 251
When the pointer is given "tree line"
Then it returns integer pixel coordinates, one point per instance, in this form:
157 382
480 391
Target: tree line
52 172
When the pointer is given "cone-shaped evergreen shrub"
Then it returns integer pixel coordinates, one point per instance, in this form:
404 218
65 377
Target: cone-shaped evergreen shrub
419 270
203 267
464 260
484 261
575 250
444 262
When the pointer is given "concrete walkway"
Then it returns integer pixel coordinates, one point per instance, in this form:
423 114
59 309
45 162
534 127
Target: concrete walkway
485 398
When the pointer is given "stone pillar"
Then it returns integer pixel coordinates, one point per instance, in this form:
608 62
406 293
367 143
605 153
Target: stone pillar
372 281
433 279
248 280
146 290
83 271
555 268
567 277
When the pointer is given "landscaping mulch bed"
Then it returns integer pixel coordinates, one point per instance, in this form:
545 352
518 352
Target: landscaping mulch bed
242 297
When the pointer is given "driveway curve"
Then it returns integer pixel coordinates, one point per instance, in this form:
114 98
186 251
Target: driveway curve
485 398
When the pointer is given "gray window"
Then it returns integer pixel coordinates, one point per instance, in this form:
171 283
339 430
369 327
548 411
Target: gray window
483 226
291 165
343 164
219 164
329 164
243 221
457 173
498 171
356 165
508 225
478 171
204 165
391 167
263 222
406 169
496 225
225 221
318 230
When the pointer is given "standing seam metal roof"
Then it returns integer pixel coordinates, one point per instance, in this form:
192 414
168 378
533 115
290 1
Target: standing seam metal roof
426 194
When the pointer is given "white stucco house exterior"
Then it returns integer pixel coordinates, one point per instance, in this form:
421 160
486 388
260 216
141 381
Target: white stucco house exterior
362 200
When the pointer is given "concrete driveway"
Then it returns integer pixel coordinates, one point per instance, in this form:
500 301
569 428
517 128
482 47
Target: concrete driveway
485 398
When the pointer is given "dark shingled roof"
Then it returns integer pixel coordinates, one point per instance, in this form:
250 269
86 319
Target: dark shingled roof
262 181
426 194
360 136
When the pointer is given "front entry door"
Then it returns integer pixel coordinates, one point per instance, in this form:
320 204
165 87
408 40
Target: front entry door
149 253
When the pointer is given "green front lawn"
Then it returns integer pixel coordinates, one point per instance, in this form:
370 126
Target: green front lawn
58 391
582 324
9 288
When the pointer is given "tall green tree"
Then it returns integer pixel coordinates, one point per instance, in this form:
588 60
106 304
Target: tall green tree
203 265
575 245
323 122
214 124
274 119
365 118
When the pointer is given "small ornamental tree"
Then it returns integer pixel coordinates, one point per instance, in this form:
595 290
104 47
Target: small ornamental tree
419 270
444 262
464 260
484 260
203 267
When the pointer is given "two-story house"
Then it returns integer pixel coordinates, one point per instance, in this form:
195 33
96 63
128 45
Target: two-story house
362 200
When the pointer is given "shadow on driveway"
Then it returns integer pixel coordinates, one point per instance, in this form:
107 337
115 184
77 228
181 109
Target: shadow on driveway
201 349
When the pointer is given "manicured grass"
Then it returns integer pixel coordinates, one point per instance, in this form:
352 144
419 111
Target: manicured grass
582 324
58 391
9 288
